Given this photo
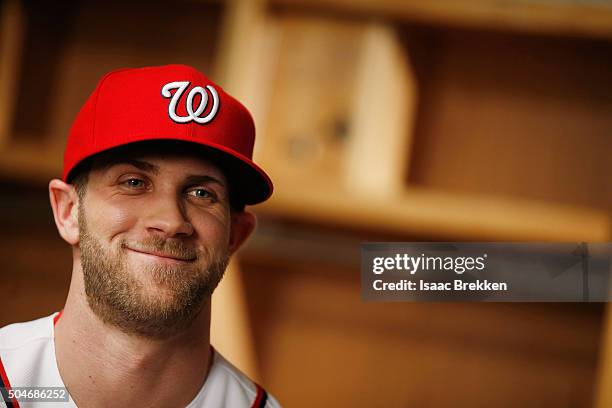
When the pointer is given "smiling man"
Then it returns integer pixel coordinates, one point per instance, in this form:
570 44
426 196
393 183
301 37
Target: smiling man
157 173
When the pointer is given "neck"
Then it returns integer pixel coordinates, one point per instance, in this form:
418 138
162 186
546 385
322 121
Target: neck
94 356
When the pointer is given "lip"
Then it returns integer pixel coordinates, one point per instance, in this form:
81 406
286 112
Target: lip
161 256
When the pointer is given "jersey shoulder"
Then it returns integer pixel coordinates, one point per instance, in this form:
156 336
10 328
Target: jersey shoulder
17 335
227 386
27 354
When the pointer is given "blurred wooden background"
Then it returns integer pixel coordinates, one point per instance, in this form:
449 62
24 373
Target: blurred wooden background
378 120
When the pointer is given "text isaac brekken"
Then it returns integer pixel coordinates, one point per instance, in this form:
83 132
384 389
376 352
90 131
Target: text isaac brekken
457 285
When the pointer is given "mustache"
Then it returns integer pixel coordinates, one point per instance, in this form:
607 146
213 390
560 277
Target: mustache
159 246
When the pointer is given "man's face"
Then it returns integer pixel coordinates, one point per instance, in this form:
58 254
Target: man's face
154 236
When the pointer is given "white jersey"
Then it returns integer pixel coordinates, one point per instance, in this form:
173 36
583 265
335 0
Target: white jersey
27 359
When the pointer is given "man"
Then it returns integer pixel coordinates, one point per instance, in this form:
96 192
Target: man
157 171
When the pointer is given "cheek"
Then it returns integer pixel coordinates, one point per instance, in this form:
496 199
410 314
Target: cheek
212 230
108 219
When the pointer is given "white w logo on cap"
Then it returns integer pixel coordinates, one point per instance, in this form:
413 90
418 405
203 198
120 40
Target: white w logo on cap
180 86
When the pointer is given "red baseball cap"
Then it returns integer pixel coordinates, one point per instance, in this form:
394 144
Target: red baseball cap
171 102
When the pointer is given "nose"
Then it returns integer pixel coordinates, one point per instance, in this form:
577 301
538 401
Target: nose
165 216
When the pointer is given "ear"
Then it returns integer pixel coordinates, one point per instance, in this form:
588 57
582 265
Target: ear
243 224
65 202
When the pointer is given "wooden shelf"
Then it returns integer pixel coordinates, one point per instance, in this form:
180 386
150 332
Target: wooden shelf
34 163
584 19
449 215
488 158
262 52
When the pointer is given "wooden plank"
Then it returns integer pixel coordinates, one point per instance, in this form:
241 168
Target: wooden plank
31 162
248 49
585 19
383 115
242 20
239 42
604 380
308 126
231 332
439 213
11 39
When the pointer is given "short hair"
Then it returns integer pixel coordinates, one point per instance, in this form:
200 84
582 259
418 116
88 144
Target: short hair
79 176
79 181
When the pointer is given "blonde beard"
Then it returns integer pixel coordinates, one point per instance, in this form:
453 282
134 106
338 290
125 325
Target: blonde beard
118 298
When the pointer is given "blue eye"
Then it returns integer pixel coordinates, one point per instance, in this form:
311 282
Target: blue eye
134 182
201 193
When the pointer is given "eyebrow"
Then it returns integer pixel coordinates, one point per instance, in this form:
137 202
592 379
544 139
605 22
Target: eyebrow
200 178
139 164
152 168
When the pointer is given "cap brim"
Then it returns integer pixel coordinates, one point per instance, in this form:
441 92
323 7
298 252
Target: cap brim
248 183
